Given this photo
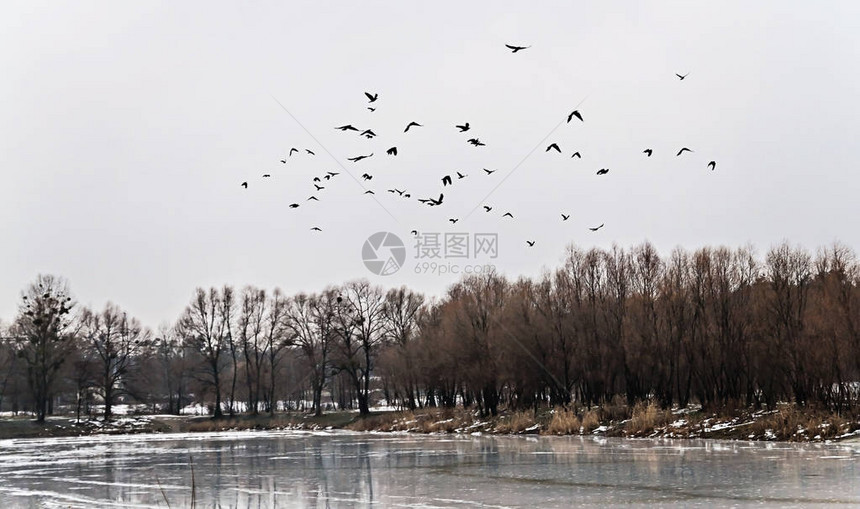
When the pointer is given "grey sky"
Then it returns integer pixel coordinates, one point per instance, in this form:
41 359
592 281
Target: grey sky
127 128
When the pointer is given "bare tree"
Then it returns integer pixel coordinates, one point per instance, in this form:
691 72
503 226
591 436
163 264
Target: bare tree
43 333
205 327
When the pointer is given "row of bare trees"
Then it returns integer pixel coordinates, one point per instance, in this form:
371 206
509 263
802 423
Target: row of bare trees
715 326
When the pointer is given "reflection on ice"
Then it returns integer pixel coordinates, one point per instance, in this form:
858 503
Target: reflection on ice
320 469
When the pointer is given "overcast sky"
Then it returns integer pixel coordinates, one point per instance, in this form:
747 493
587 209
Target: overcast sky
127 128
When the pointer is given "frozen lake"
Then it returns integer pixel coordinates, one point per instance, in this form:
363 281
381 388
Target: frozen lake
340 469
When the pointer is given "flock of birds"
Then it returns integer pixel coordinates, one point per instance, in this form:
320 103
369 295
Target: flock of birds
447 180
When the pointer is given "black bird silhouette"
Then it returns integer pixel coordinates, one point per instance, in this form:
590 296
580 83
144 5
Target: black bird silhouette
294 205
293 150
367 133
266 175
392 151
366 176
317 179
565 217
309 151
685 149
446 180
463 128
314 198
371 109
514 49
316 229
712 165
508 214
647 151
682 77
244 184
410 124
437 202
461 176
369 192
414 232
284 161
574 113
407 195
596 227
603 171
488 208
576 154
346 127
424 200
372 98
553 146
531 243
476 142
453 220
490 172
332 174
358 158
319 188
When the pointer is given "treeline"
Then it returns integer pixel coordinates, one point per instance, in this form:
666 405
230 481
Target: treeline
716 326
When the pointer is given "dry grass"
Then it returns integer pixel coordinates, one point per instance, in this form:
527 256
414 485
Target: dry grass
516 422
646 417
590 421
797 425
564 422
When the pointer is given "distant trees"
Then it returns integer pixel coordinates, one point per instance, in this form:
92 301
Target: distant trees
715 326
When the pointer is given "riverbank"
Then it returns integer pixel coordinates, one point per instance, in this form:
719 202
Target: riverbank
785 423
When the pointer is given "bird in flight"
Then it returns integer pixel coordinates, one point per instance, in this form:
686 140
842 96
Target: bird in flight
371 109
476 142
463 128
446 180
712 165
685 149
682 77
490 172
284 161
371 98
508 214
596 227
414 232
266 175
314 198
488 208
437 202
453 220
553 146
366 176
576 154
294 205
647 151
293 150
358 158
603 171
392 151
367 133
244 184
319 188
309 151
369 192
316 229
514 49
565 217
331 174
531 243
346 127
574 113
461 176
410 124
317 179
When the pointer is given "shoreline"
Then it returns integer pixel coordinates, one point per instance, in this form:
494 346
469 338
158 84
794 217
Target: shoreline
780 425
